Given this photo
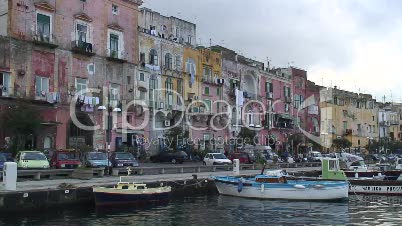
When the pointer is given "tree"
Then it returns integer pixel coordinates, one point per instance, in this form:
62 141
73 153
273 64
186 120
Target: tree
341 143
20 121
175 137
247 136
295 140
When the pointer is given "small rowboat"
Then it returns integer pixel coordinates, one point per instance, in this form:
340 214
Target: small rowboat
278 187
130 193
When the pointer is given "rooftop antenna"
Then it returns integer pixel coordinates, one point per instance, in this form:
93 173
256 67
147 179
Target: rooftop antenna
210 42
268 61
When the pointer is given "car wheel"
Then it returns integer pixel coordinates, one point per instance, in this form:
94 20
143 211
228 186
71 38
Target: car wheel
204 163
174 161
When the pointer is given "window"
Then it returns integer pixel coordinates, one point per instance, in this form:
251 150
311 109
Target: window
206 90
297 101
189 39
178 63
286 107
207 75
169 84
43 25
5 84
128 80
345 125
218 91
208 106
269 88
168 61
128 118
41 86
152 86
234 84
153 57
80 84
179 86
142 94
177 32
142 77
373 118
115 9
82 34
114 45
114 92
286 91
142 57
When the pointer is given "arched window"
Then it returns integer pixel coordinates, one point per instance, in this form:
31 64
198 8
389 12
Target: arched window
153 57
168 61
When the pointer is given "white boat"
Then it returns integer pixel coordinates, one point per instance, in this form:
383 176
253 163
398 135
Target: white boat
374 184
273 186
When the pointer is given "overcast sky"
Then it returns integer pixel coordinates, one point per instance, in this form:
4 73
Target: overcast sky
354 44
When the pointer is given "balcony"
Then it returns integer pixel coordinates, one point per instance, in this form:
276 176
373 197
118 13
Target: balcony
269 95
45 40
205 79
83 48
116 56
347 132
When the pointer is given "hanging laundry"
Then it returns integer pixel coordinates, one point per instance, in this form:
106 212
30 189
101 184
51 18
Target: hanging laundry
49 97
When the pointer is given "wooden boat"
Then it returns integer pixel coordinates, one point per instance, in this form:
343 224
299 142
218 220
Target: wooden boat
130 193
373 185
271 186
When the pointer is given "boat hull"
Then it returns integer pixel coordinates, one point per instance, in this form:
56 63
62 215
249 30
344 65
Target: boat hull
105 197
294 191
375 187
388 175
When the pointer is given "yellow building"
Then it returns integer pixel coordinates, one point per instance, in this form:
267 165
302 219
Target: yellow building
348 115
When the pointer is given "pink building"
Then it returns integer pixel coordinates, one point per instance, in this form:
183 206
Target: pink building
53 51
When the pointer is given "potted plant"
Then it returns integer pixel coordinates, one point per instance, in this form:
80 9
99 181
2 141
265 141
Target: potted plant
113 54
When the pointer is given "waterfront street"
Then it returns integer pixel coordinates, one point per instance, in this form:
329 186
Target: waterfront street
54 184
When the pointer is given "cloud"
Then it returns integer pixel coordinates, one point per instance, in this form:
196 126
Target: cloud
348 42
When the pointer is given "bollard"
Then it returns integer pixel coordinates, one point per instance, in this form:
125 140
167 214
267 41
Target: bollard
236 167
10 176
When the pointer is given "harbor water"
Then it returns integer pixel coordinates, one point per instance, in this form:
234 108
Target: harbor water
224 210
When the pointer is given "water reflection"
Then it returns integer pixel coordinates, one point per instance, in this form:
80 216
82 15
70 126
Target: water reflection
225 210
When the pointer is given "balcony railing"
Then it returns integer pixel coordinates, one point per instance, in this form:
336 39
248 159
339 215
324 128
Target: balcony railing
116 55
84 48
46 40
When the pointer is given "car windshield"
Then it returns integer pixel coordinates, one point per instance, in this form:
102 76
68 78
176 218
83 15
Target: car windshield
33 156
68 156
2 158
124 156
219 156
97 156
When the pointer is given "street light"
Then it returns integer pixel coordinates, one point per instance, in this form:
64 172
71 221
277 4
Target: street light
109 128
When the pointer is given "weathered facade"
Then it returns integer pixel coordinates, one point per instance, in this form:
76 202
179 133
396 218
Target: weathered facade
56 50
350 115
162 64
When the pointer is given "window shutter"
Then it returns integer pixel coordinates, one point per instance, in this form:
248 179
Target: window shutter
43 19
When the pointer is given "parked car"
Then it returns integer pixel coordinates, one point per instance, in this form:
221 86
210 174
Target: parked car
2 160
122 159
173 157
96 159
216 159
65 159
9 156
314 156
32 160
243 157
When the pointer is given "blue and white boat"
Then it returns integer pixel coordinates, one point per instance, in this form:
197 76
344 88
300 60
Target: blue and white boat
276 186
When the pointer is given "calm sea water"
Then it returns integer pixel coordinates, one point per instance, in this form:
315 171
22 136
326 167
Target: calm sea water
223 210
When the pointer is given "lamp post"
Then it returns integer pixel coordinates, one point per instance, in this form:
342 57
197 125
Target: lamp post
109 126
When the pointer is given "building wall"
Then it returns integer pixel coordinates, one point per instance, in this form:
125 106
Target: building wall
341 117
57 61
3 17
171 28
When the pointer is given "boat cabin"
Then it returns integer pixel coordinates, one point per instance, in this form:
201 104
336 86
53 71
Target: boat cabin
130 186
271 179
